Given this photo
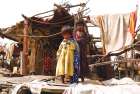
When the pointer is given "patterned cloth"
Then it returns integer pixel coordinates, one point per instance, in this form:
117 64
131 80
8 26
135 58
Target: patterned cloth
76 67
47 64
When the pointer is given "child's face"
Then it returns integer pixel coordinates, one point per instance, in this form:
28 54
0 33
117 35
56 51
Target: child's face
66 35
80 28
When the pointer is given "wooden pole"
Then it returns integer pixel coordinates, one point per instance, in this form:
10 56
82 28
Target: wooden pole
59 6
25 47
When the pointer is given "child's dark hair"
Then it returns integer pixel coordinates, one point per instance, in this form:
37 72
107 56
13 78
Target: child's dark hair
80 23
66 28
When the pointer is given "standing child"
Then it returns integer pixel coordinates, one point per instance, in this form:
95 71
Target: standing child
68 57
82 38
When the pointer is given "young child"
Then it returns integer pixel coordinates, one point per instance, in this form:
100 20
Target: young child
68 57
82 38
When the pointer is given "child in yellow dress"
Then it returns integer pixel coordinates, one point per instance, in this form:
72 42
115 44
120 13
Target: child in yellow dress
68 57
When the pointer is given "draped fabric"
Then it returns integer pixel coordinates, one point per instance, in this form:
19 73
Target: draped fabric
77 67
132 23
112 86
114 28
47 64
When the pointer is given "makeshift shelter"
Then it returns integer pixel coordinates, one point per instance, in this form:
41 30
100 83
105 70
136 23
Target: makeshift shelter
40 38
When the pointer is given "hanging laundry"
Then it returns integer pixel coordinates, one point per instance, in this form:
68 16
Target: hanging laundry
132 23
114 30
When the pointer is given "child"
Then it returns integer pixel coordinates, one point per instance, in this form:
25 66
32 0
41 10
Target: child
82 38
68 57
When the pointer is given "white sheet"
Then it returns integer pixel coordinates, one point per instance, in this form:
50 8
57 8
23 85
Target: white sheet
113 86
115 30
